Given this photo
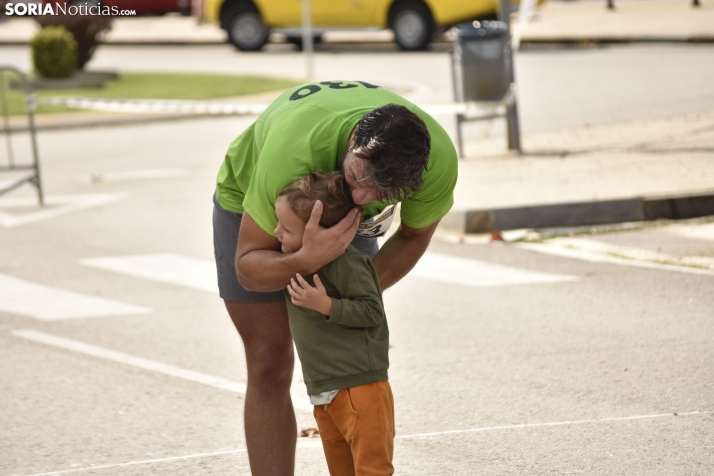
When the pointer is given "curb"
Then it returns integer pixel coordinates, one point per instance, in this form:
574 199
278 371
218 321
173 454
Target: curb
564 41
560 215
572 41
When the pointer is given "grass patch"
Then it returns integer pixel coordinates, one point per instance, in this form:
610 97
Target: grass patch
156 86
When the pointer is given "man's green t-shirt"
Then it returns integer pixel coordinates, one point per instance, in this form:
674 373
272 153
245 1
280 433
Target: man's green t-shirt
307 129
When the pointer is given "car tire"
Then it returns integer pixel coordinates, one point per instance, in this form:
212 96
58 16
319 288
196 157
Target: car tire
413 25
246 30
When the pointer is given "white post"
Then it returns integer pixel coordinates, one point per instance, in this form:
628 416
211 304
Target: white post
307 47
526 11
514 129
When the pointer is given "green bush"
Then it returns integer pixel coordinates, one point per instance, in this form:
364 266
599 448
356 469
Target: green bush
54 52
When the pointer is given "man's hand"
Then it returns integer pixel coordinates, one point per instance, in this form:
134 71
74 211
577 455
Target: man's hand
323 245
262 267
304 295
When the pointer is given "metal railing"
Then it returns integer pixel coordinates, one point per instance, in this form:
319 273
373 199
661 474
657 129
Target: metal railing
28 171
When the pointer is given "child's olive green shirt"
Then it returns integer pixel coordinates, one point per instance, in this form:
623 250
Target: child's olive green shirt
350 346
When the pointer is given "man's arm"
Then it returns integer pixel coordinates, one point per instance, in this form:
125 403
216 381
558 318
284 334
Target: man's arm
262 267
401 252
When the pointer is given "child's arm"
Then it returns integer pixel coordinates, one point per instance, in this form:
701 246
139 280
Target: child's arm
360 305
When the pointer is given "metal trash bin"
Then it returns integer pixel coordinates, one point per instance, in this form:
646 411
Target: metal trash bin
483 79
480 51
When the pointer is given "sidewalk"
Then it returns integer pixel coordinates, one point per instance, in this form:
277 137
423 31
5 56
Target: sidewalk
556 21
631 20
588 176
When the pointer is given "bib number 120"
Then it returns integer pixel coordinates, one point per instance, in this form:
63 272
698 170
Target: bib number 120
310 89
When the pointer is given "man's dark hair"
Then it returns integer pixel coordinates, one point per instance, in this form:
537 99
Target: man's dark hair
328 187
395 144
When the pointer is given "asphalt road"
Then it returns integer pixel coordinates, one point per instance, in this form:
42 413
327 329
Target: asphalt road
569 355
117 357
559 87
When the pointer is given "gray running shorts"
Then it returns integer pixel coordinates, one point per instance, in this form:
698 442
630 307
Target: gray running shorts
226 226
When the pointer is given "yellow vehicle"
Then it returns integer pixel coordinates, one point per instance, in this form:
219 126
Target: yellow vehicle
414 22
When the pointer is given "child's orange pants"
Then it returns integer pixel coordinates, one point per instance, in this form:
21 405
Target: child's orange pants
357 430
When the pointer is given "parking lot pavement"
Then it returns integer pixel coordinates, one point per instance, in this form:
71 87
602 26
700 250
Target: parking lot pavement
117 357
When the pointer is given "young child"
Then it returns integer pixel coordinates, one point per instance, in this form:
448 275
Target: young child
337 321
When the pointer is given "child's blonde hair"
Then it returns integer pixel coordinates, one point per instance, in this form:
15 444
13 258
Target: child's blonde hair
328 187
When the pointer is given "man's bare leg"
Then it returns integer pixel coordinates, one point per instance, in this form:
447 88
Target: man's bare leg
270 427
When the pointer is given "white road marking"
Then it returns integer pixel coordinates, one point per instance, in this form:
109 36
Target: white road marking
469 272
133 175
146 461
54 206
698 232
314 443
52 304
220 107
599 252
159 105
552 423
145 364
318 443
164 268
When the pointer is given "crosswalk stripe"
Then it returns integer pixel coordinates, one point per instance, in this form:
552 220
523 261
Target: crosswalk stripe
52 304
142 363
164 268
57 205
599 252
201 274
470 272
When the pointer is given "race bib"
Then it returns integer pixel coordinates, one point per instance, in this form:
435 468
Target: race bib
375 227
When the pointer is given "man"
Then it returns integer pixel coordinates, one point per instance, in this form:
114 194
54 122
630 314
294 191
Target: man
390 151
